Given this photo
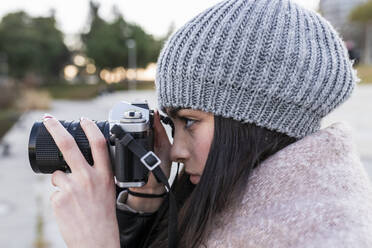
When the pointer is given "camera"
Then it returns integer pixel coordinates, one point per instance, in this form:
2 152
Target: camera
130 140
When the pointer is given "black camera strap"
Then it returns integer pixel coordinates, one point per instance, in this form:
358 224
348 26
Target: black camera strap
152 162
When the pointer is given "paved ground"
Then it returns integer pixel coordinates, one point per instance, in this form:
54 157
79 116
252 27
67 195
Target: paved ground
24 196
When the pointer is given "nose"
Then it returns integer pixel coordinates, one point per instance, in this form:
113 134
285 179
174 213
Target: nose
179 152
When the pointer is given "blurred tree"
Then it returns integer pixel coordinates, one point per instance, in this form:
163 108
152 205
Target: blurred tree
32 45
363 14
106 42
162 40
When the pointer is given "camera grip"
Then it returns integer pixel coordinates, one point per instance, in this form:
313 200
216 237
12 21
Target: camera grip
129 170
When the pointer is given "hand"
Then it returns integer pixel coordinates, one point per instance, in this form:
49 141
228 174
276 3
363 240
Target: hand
162 148
84 206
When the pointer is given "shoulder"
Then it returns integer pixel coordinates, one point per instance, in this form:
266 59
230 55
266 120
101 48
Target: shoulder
313 193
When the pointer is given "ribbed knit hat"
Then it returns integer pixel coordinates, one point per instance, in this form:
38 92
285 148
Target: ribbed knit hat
268 62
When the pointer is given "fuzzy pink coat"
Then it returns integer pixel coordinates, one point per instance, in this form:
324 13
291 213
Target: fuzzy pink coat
313 193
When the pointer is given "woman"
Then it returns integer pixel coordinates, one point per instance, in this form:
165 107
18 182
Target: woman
246 84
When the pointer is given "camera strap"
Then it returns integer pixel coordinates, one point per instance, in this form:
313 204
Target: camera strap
152 162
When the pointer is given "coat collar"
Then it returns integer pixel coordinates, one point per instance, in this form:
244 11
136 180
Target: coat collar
302 196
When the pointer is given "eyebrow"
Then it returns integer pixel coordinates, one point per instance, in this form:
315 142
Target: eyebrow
173 112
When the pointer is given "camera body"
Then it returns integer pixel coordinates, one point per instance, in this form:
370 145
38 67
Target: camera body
136 119
130 170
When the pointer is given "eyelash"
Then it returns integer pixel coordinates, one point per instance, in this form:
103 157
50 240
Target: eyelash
186 120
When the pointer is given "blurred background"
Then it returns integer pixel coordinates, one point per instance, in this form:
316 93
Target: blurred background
78 58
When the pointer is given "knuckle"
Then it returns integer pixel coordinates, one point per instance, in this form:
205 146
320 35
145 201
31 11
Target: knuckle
100 142
66 142
53 178
56 173
56 176
86 179
56 200
69 188
107 181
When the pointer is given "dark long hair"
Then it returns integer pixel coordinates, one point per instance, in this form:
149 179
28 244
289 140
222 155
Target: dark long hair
237 148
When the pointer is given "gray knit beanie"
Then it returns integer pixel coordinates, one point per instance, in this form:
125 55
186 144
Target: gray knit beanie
268 62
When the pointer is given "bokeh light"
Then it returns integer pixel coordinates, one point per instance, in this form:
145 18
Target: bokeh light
90 69
79 60
70 72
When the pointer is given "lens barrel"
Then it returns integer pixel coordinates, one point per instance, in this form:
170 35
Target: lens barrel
44 155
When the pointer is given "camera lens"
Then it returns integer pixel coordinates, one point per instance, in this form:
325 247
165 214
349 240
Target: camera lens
44 155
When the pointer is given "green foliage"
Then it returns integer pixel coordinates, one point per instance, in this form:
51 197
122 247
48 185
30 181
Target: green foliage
362 13
106 43
32 45
147 48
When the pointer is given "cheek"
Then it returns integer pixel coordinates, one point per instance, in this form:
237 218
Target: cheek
201 147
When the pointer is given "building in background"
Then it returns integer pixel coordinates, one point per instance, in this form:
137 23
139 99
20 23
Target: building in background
337 12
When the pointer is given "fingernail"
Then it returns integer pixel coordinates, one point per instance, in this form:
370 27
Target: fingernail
47 116
82 119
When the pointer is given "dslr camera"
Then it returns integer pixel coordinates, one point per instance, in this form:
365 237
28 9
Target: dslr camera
130 140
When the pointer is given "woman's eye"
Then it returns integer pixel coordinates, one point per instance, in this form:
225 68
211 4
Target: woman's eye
188 122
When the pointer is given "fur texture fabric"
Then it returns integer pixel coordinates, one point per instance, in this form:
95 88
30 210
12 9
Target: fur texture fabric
313 193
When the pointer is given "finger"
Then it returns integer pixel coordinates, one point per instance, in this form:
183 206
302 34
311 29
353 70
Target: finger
66 144
161 137
97 143
162 144
59 179
56 199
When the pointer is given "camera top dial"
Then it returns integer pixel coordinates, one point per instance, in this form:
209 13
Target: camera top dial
132 117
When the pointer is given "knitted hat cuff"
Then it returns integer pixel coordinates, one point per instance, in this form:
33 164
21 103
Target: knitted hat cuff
268 111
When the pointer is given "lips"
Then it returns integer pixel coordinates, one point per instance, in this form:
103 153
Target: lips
192 174
194 178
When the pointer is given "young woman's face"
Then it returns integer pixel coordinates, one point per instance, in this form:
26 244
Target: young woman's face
193 136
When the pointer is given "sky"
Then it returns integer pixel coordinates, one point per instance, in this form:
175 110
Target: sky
154 16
